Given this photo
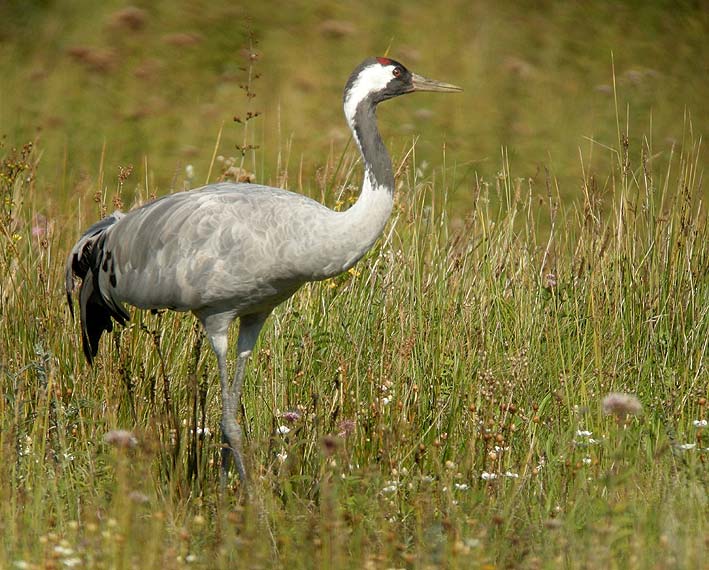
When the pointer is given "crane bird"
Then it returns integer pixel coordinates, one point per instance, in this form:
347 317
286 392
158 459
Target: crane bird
238 250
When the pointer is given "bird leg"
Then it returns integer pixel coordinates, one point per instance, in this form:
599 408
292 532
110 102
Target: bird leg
249 330
231 430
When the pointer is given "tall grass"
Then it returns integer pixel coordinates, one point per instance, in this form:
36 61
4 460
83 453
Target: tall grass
430 408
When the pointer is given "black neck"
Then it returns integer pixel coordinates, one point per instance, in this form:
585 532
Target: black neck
376 158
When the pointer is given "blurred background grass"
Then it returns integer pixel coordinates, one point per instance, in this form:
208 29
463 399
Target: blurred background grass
150 84
449 386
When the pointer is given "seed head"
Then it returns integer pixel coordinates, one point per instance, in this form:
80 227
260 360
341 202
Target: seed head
121 438
622 405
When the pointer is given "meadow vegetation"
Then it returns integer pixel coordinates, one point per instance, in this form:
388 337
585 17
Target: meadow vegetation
515 377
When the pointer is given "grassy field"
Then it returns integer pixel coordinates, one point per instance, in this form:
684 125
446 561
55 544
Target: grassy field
515 377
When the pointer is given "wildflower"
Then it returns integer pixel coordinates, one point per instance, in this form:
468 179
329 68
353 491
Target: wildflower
390 487
202 432
138 497
461 486
121 438
386 400
283 430
189 172
346 427
584 433
71 562
550 281
41 226
699 423
291 416
329 444
587 461
511 475
485 476
621 405
282 456
686 446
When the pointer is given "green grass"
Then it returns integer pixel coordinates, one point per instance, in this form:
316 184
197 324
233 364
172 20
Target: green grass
453 351
444 387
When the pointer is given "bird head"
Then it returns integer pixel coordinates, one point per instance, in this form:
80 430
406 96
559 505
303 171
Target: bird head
378 79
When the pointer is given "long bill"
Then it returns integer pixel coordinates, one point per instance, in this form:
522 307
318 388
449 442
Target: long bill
421 83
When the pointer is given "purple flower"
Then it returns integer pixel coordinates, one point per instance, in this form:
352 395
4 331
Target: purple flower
291 416
346 427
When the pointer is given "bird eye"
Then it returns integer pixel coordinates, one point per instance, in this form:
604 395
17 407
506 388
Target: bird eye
397 72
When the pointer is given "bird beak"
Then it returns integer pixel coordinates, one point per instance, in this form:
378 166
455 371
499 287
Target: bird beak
420 83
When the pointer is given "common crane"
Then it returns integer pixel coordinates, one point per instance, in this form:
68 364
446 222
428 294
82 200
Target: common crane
238 250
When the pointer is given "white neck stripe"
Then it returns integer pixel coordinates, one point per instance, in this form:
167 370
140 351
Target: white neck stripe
370 80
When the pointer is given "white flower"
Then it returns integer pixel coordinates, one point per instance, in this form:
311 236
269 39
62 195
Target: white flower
687 446
461 486
283 430
71 562
63 550
391 488
189 172
282 456
485 476
511 475
587 461
584 433
386 400
700 423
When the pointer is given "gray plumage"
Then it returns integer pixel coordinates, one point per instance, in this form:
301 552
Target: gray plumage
238 250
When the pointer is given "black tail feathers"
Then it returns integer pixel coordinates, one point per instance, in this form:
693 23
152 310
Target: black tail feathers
97 309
